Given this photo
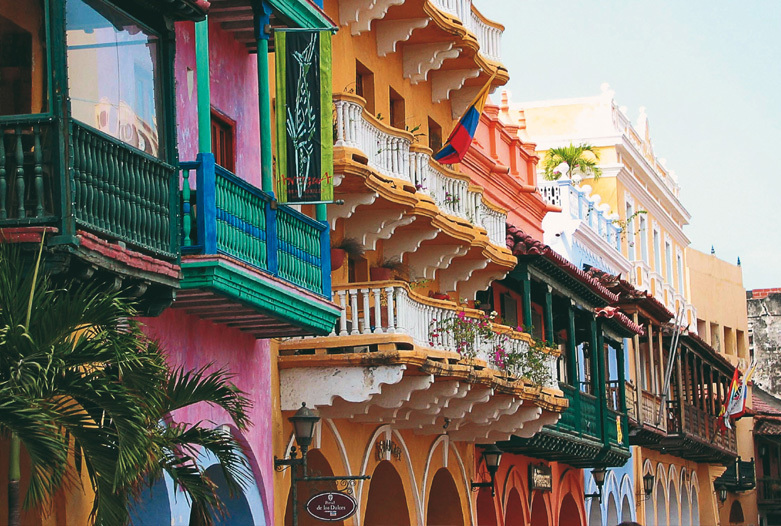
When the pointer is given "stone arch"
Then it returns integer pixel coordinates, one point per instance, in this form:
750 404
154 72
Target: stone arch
413 497
626 510
486 508
540 511
595 513
317 464
661 504
569 514
612 512
674 505
435 462
736 513
515 484
442 496
514 514
386 503
627 499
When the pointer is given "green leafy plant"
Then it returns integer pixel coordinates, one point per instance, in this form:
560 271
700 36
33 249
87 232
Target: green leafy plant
351 246
582 159
462 333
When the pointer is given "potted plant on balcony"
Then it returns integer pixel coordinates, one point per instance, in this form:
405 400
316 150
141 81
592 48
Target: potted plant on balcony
388 269
348 246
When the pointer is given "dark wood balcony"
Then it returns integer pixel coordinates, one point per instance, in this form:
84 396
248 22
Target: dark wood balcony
693 434
649 426
769 494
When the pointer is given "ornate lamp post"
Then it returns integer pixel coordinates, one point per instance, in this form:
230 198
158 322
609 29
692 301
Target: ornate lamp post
304 421
492 455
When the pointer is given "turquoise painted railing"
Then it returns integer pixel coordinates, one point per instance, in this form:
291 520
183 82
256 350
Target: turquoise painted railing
27 170
121 191
239 220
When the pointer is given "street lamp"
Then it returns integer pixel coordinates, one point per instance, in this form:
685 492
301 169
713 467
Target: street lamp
721 491
648 484
599 479
492 455
304 421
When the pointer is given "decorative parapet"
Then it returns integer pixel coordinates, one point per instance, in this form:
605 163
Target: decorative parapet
487 32
392 153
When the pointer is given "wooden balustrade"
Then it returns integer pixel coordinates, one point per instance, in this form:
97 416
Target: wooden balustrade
27 181
236 219
769 490
122 192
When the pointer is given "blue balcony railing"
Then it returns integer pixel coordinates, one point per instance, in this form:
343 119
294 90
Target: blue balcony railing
234 218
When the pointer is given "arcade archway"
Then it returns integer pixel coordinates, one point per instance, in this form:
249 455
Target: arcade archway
513 515
539 513
444 503
568 514
317 465
486 511
386 504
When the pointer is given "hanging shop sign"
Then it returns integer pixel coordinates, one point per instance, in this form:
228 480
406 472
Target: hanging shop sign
331 506
303 116
540 477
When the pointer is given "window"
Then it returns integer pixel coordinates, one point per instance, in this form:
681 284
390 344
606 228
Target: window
434 135
680 273
584 361
509 312
222 141
643 238
23 56
398 118
113 73
668 255
364 85
629 232
657 253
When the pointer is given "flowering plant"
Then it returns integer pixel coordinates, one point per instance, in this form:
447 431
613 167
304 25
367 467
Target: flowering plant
451 199
461 333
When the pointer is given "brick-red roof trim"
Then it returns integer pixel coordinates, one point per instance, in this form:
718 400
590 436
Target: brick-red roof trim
620 319
522 244
627 292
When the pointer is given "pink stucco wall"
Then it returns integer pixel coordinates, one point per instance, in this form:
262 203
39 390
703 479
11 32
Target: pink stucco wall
192 342
234 93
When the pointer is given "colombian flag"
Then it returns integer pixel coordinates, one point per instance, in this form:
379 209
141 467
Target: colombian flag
461 137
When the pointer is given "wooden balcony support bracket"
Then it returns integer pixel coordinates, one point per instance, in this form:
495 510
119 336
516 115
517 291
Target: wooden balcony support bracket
391 32
359 14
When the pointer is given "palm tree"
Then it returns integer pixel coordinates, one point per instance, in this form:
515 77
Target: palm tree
582 159
80 383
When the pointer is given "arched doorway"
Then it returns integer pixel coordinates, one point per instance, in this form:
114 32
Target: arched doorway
736 513
317 465
695 508
685 509
444 504
568 514
513 515
387 503
595 515
539 514
626 510
674 503
661 505
612 512
486 511
152 506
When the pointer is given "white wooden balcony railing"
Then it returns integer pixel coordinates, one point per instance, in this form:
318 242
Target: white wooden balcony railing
488 34
402 311
579 203
392 153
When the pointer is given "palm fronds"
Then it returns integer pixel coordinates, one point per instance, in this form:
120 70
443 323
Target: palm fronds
581 159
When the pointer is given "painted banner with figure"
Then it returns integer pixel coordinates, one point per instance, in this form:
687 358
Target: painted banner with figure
304 164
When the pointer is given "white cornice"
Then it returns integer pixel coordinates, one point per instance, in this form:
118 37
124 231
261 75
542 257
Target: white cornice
589 239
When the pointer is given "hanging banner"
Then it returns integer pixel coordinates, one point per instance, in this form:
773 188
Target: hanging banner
303 116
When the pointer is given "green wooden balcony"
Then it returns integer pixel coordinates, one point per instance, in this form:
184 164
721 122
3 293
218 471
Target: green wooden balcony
250 262
586 435
103 186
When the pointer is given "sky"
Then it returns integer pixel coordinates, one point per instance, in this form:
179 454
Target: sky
709 75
